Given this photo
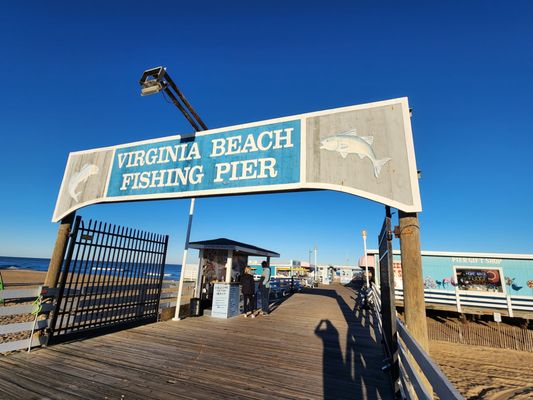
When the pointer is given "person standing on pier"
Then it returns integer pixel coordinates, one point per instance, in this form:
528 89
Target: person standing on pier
248 292
264 287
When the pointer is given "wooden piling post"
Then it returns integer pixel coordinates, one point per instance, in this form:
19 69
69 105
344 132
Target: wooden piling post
58 254
413 281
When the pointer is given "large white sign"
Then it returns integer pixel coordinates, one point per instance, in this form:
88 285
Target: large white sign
366 150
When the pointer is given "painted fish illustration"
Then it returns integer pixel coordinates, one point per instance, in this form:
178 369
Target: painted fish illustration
349 143
80 177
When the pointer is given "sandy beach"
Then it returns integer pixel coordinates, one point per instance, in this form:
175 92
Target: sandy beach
22 277
486 373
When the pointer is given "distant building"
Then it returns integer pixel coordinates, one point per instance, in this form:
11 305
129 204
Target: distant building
282 268
325 273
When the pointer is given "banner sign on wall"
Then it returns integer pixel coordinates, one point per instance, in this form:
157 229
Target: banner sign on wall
479 279
365 150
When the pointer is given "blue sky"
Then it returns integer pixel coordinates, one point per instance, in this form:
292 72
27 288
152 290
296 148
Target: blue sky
70 73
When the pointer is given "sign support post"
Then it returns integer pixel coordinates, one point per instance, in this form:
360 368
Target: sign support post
58 254
413 281
184 262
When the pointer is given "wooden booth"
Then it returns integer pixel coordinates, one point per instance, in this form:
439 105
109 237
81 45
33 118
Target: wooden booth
222 263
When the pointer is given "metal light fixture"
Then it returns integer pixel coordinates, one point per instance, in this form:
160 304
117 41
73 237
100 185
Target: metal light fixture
151 87
152 81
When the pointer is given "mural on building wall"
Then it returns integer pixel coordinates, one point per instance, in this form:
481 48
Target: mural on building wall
443 284
511 283
493 275
214 265
430 283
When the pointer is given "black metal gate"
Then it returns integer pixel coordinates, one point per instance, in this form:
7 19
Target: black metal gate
388 305
111 279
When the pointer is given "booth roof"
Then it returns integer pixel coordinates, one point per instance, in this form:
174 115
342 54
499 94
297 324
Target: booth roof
227 244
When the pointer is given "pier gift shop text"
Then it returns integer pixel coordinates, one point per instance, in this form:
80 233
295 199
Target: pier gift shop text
230 159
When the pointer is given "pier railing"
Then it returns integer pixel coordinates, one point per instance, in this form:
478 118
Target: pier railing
484 334
24 317
282 287
415 364
169 294
459 299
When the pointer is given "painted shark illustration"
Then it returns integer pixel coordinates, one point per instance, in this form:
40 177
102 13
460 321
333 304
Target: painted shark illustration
349 143
80 177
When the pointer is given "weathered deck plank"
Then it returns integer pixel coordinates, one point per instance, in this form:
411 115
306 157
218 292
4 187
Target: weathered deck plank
314 345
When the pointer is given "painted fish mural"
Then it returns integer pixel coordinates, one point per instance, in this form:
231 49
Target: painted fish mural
349 143
80 177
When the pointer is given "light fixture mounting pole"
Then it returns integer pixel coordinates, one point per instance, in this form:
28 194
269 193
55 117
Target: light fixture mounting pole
155 80
152 81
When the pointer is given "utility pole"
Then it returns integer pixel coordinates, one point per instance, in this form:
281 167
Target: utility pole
366 260
316 265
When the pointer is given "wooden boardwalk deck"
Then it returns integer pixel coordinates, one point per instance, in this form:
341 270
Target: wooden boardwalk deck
313 346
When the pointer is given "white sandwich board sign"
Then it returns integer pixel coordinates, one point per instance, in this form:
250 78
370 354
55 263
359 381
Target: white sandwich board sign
365 150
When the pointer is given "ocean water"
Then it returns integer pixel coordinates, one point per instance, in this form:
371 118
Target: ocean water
172 271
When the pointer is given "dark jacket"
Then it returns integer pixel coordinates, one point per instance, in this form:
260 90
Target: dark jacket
248 284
